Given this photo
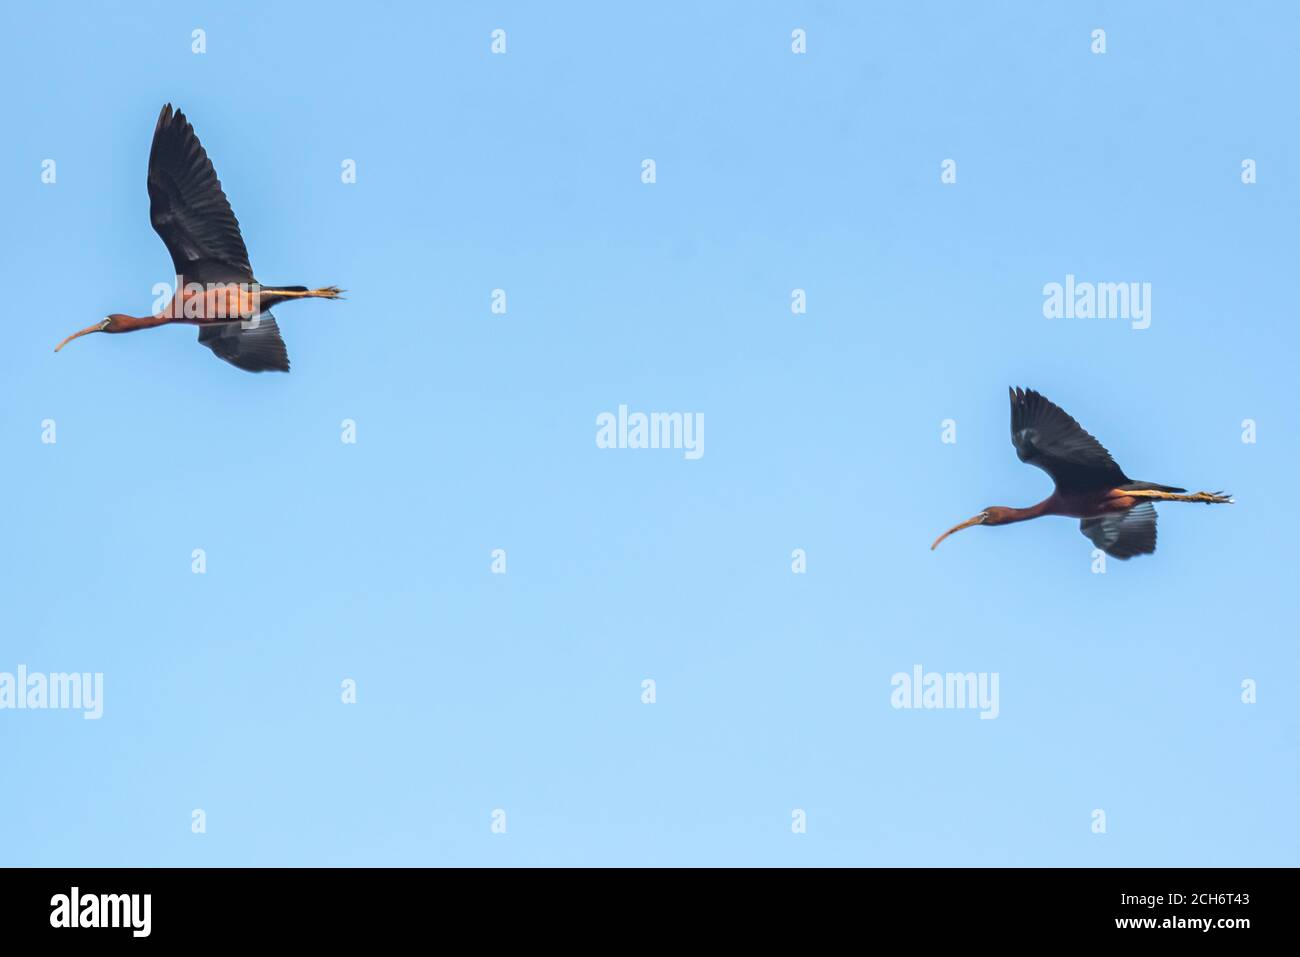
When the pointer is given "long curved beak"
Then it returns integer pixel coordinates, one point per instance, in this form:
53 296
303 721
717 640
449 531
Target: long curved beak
977 520
97 327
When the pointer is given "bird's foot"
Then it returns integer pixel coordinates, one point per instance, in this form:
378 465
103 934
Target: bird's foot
1212 498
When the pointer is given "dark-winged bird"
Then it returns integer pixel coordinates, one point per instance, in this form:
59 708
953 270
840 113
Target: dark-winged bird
1114 511
215 288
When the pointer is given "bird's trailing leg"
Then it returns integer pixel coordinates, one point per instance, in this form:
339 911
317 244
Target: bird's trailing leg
281 293
269 296
1209 498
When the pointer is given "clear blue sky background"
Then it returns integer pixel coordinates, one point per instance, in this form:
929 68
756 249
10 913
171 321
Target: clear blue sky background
371 561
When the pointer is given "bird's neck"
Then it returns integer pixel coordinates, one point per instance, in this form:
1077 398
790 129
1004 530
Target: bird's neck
132 323
1033 511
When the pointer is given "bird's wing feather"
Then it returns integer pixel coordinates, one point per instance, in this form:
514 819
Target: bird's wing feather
188 208
254 346
1046 436
1124 534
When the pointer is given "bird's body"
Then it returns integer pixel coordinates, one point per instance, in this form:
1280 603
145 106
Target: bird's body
215 286
1115 511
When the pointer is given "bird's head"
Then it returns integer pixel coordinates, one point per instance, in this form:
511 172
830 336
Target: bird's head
993 515
110 323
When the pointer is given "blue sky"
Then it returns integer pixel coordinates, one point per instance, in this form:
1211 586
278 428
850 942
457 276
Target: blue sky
522 692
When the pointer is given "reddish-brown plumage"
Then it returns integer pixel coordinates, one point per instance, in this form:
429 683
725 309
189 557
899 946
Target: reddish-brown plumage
1075 505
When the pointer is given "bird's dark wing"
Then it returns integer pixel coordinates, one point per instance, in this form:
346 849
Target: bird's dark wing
1044 435
1124 534
189 210
254 346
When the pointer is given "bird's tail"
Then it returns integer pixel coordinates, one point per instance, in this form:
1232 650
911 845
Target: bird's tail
1152 486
